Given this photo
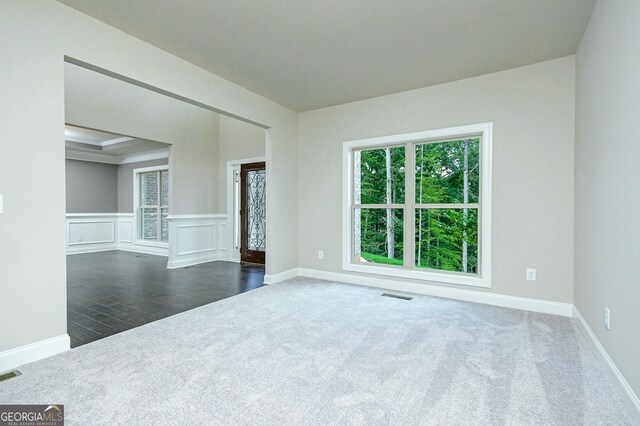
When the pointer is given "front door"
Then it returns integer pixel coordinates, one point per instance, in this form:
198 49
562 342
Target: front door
253 221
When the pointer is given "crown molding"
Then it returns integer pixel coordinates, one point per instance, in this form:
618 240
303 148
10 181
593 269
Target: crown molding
95 157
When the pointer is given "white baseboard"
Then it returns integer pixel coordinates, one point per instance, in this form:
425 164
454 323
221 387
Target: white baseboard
523 303
282 276
629 397
91 249
138 248
183 263
156 251
33 352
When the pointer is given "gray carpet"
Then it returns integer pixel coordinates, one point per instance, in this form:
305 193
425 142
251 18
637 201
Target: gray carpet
312 352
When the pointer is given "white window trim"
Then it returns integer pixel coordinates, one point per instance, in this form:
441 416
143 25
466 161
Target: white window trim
136 209
485 130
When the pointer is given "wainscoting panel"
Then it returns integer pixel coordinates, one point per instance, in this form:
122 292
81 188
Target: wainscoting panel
91 232
125 228
94 232
193 239
196 239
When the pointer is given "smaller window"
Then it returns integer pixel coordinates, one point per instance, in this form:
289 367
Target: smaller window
153 207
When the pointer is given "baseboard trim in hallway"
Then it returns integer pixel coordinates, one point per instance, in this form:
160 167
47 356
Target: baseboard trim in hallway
627 394
33 352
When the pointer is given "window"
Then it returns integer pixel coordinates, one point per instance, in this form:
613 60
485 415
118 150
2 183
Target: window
418 205
153 209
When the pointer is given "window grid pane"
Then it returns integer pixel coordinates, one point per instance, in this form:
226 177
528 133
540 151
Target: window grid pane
149 223
164 224
379 236
379 176
149 189
164 184
448 172
447 239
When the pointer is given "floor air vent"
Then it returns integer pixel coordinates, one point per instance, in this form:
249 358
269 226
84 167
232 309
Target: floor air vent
9 375
397 296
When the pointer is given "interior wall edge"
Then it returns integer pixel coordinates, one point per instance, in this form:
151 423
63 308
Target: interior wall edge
619 382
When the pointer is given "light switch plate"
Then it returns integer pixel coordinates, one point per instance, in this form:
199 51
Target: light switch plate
1 204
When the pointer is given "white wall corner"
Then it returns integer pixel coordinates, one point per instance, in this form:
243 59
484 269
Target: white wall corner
282 276
629 397
33 352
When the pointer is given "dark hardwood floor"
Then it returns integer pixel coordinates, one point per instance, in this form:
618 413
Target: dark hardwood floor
114 291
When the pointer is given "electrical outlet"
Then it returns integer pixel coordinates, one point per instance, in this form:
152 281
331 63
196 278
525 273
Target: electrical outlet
80 237
607 318
320 254
531 274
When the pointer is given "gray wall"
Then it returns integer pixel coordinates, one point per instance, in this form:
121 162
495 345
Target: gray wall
125 183
607 229
532 109
91 187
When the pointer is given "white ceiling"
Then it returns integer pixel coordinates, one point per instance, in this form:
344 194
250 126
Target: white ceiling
106 147
91 137
312 54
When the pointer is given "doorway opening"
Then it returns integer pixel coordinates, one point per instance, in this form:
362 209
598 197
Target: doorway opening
153 241
253 222
246 209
